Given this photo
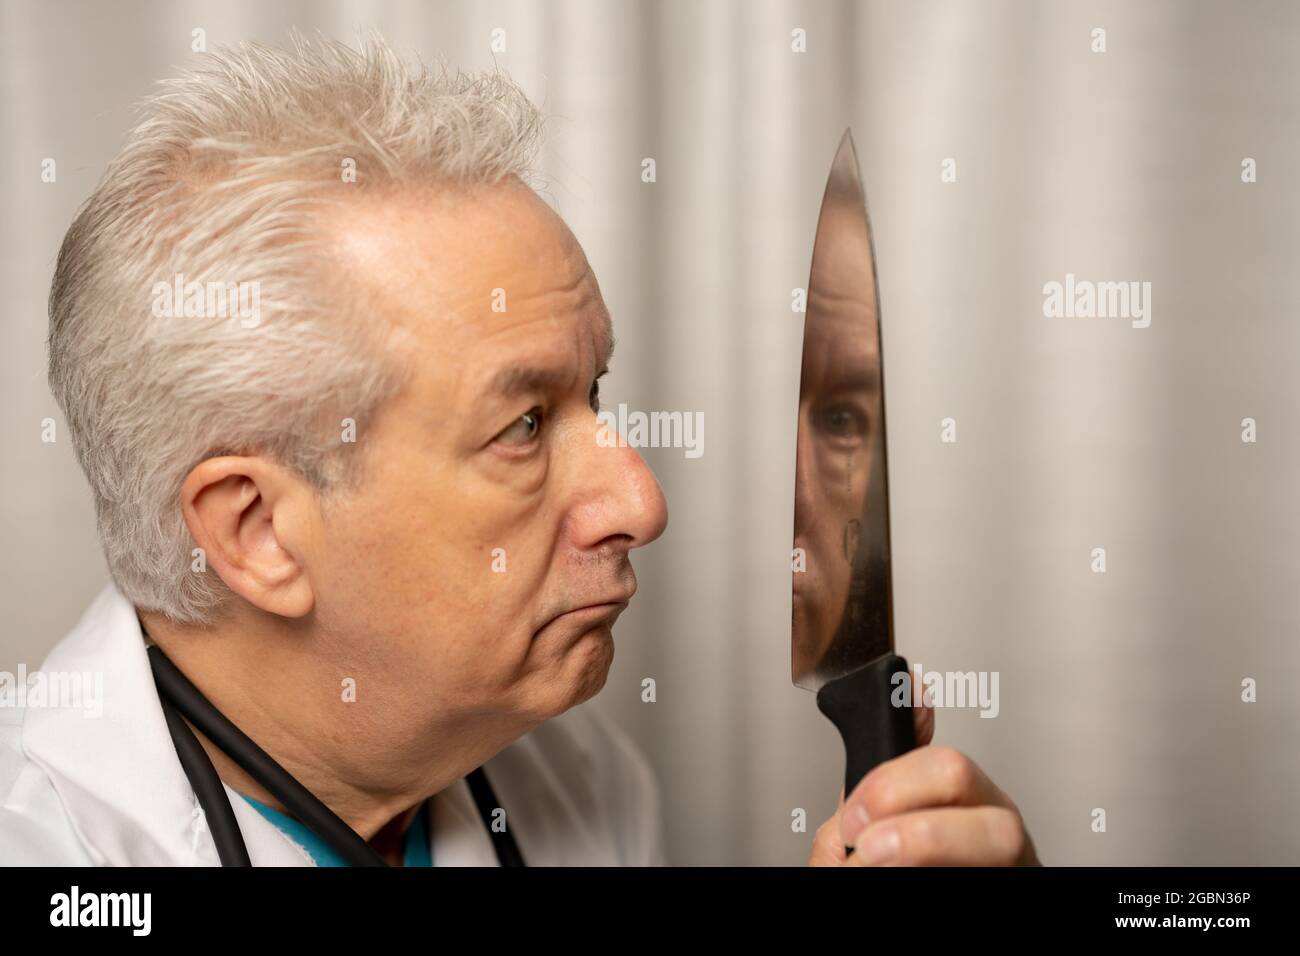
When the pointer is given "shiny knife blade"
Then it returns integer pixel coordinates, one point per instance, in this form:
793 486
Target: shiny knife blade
842 628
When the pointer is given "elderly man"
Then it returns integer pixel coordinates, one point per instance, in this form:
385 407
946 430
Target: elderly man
332 370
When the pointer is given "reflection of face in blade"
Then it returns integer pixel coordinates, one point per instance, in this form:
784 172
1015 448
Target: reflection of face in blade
839 444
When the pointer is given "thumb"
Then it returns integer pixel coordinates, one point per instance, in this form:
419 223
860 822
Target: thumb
828 844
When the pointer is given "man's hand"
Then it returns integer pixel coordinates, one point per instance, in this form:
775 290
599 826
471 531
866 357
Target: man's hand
930 807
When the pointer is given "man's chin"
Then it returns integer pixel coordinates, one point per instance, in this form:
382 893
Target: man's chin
584 665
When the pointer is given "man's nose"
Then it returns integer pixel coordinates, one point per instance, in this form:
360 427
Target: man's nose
619 501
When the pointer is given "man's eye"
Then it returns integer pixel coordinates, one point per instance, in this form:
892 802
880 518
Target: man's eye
843 422
524 430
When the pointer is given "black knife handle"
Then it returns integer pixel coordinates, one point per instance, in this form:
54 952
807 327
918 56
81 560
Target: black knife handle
874 730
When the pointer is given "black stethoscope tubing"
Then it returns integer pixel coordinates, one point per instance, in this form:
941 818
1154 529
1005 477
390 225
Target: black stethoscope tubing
180 698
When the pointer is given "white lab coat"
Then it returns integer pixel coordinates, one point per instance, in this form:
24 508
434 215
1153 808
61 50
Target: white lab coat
109 790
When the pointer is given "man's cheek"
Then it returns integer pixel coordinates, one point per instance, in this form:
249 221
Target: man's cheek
514 600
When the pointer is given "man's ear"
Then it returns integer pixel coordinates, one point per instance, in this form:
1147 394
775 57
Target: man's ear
254 518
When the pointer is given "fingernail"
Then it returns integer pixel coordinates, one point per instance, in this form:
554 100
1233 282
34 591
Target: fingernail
853 822
878 846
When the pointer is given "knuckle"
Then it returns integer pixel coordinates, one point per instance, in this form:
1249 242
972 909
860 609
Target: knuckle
957 770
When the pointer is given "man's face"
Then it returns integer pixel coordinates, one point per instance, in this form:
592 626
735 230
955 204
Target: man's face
839 418
483 560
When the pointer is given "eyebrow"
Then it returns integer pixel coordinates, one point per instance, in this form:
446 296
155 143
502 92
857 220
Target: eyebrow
516 380
865 377
859 378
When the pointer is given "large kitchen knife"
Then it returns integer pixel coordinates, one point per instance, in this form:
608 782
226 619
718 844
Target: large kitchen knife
842 626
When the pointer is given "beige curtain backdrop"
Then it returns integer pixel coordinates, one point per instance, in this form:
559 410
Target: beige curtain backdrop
1118 691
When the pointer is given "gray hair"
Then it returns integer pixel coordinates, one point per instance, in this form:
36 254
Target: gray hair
225 180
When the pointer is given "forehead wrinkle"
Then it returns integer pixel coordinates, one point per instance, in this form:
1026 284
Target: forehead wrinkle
605 332
607 326
524 378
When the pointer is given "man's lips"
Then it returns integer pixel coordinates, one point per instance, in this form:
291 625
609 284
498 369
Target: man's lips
613 603
610 607
598 610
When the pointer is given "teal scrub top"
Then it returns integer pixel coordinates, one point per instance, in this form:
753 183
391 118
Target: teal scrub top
418 851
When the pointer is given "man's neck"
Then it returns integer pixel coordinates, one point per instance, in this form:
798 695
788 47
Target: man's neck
372 756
